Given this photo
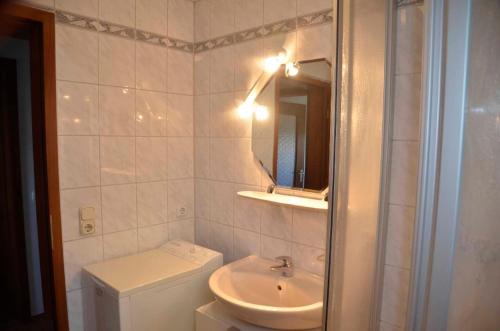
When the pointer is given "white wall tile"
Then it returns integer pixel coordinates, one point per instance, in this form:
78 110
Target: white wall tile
76 317
277 10
201 20
180 195
78 161
276 221
249 58
202 73
180 72
76 54
222 115
407 107
77 254
247 168
89 8
221 18
151 113
309 258
222 161
248 14
202 158
118 11
180 116
404 173
119 208
202 116
247 212
409 37
202 232
399 236
395 295
152 236
151 67
151 16
151 159
180 158
202 196
151 203
116 61
77 109
246 243
309 228
222 69
221 202
272 247
71 202
315 43
116 111
117 160
181 19
183 229
221 239
312 6
120 244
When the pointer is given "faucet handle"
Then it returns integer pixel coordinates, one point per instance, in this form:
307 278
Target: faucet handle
287 260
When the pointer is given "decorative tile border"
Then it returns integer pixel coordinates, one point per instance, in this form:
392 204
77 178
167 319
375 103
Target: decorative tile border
122 31
402 3
289 25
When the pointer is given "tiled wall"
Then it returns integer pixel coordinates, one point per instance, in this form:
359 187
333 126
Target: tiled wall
125 126
404 168
233 37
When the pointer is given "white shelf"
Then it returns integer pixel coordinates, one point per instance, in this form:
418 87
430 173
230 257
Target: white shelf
287 200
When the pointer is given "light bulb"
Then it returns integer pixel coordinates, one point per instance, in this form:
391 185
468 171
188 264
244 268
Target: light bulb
292 69
261 112
245 110
272 64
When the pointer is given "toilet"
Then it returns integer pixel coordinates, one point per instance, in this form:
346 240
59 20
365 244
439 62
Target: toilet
158 289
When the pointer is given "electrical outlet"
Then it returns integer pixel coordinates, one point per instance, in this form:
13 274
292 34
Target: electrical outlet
181 212
87 227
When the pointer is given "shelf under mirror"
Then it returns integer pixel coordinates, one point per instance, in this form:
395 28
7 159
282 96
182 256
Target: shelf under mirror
287 200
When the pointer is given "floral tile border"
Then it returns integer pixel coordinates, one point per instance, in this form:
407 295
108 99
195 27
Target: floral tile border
322 17
94 24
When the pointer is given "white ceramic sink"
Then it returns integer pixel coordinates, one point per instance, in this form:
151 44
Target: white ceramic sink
251 291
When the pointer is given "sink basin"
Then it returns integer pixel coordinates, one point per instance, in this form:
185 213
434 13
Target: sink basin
250 291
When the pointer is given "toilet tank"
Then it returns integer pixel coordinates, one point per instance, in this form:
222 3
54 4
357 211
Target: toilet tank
154 290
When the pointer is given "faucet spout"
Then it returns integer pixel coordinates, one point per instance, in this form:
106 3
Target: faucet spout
286 267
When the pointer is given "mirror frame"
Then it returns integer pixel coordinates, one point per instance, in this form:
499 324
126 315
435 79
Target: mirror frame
260 84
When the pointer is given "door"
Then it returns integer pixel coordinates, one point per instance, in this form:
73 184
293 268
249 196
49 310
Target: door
456 280
32 277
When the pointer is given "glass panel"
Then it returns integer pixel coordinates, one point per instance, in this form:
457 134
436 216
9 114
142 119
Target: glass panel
475 299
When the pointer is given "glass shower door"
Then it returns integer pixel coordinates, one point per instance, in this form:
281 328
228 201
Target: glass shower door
475 293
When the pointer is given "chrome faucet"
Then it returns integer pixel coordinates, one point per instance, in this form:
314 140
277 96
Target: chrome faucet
286 266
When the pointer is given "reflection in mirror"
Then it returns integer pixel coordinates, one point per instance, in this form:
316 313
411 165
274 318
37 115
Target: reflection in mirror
291 126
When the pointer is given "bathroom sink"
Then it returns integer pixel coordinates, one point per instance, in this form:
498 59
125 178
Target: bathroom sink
251 291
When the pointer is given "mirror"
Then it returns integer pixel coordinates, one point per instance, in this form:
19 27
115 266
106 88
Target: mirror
291 125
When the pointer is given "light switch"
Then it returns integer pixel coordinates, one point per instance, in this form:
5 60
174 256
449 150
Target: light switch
87 213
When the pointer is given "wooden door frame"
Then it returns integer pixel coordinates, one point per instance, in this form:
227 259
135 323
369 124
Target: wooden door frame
46 20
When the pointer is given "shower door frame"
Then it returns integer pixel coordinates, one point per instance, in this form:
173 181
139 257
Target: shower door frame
444 102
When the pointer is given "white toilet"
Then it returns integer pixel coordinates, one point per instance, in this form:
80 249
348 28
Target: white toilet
155 290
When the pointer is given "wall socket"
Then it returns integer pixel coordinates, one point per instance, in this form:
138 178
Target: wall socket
87 227
181 212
